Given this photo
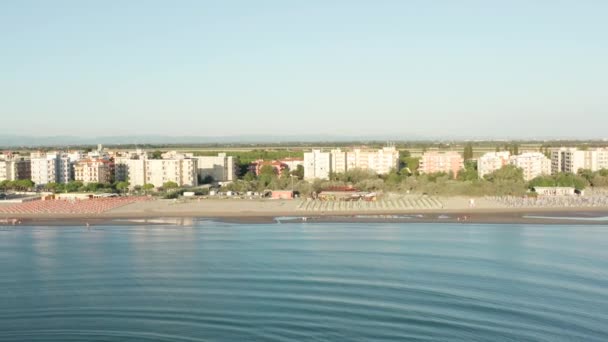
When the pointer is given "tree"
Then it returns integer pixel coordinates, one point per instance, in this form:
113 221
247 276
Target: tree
468 151
73 186
560 179
147 187
506 173
156 155
587 174
249 176
412 164
122 186
170 185
469 173
267 170
298 172
266 177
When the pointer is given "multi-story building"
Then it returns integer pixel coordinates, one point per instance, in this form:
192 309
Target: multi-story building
221 168
383 160
14 167
130 169
181 171
571 160
380 161
449 162
533 164
491 162
92 171
339 161
317 165
51 167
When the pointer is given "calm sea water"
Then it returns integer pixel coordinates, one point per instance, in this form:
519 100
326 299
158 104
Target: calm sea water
304 282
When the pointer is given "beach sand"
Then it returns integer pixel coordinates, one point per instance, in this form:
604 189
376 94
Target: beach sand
455 210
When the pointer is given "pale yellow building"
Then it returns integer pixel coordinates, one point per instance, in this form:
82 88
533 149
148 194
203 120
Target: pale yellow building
93 171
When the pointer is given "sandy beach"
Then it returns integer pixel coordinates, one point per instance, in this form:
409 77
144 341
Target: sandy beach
454 210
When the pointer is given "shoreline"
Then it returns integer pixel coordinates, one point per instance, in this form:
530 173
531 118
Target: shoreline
553 216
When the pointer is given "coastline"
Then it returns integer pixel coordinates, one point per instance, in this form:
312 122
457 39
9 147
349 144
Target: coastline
454 210
553 216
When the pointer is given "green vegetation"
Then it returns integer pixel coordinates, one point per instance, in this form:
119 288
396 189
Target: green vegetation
580 181
156 155
170 185
469 173
468 151
19 185
77 186
508 180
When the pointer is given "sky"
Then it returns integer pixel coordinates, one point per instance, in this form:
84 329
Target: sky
504 69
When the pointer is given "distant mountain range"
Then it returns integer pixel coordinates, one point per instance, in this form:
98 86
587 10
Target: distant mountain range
7 141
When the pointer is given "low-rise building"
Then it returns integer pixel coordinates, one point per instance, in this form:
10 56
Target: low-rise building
450 162
256 166
533 164
555 191
292 163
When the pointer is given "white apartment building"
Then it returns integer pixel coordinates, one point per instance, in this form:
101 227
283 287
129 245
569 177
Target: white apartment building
130 170
92 171
51 167
221 168
383 160
380 161
491 162
14 168
533 164
571 159
317 165
339 161
181 171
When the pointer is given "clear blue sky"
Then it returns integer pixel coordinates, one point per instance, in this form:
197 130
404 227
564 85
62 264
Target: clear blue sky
431 68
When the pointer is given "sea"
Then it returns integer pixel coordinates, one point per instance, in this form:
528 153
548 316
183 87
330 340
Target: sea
304 281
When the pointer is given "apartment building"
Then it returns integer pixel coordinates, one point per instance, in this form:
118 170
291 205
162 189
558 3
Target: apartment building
533 164
380 161
339 161
93 171
491 162
221 168
130 169
14 167
317 165
571 159
51 167
448 162
181 171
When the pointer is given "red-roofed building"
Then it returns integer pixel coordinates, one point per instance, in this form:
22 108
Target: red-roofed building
278 166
